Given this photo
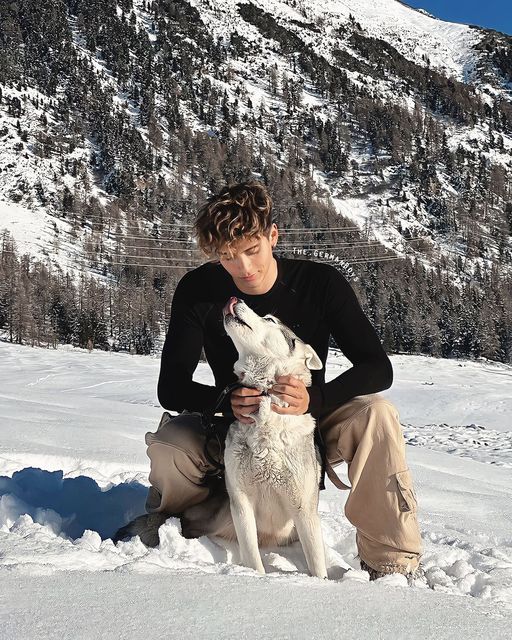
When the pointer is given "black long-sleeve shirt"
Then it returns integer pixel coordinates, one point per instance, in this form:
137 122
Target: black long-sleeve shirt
312 298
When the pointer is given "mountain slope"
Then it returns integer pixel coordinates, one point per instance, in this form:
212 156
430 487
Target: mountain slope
384 132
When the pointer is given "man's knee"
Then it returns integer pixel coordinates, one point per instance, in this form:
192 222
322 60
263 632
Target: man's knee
377 424
380 413
182 439
350 410
373 402
178 464
171 459
366 417
177 479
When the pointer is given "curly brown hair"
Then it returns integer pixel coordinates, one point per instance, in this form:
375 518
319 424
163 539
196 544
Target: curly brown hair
238 211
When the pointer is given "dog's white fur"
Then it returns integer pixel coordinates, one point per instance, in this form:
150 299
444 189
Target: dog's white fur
272 466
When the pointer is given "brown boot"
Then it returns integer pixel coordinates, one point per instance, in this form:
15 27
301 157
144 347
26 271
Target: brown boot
145 526
414 578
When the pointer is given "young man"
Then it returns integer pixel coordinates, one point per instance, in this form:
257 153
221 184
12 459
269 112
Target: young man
358 426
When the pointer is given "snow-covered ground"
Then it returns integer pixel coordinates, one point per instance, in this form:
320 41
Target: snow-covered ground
73 468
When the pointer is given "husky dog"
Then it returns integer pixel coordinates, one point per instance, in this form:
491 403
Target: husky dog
272 467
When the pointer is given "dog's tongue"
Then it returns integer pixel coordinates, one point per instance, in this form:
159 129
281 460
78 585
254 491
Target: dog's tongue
229 309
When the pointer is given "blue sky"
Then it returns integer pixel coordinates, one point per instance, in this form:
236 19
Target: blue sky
494 14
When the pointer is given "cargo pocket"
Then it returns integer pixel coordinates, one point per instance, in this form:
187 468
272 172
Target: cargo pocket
406 495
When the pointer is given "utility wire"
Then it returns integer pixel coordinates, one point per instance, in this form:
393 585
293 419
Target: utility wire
115 237
324 247
188 266
280 244
282 230
176 227
120 237
182 259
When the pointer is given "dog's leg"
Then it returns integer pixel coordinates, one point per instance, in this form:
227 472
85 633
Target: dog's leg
242 512
307 523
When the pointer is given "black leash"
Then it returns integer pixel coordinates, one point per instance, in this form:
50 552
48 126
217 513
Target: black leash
319 442
210 425
326 465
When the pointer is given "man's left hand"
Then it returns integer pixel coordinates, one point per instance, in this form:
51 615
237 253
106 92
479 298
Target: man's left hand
292 391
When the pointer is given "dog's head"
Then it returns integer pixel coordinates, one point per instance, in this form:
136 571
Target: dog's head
267 340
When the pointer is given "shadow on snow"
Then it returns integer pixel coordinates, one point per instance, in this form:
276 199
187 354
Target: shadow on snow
69 505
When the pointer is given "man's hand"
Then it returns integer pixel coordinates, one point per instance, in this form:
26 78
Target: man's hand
243 401
292 391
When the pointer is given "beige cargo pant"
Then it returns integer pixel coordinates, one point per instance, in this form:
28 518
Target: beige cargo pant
365 433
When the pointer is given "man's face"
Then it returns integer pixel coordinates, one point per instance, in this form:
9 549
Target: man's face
250 262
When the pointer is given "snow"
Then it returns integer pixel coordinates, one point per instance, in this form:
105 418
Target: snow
50 239
447 45
183 605
28 227
73 468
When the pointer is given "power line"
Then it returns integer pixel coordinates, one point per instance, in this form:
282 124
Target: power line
341 245
104 254
190 267
140 257
361 260
128 218
176 227
284 242
276 208
185 259
81 219
300 230
295 230
118 237
289 247
280 244
158 249
115 236
187 266
106 220
121 236
376 259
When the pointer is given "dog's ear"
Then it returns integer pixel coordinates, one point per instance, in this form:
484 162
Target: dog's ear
312 359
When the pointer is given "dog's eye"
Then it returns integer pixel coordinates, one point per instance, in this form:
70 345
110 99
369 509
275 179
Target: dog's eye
271 320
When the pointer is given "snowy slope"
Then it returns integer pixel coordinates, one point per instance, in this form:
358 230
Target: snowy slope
35 233
80 419
36 181
447 45
417 36
30 229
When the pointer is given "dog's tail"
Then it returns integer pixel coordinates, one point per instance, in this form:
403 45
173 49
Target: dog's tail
145 526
